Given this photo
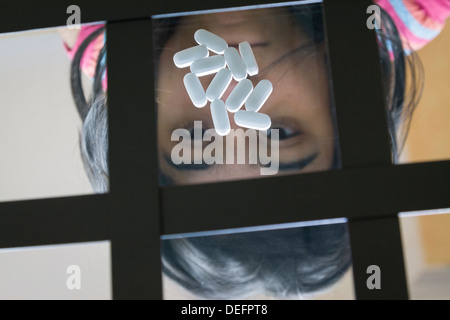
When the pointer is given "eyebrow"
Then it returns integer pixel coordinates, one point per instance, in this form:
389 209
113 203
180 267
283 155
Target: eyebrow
186 166
298 165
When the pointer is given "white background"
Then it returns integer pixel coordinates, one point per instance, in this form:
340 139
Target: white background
39 124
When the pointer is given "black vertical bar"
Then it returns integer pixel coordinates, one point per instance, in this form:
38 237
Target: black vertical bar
358 91
134 204
376 242
364 139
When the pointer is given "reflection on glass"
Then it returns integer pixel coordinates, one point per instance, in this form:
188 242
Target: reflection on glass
426 241
56 272
39 122
309 260
288 46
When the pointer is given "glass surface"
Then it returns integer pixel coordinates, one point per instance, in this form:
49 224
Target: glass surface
289 49
78 271
426 242
307 260
40 127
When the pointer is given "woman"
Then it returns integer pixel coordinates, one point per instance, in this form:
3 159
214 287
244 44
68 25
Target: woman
288 45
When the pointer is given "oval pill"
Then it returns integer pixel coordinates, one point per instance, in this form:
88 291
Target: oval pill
239 94
235 63
252 120
219 84
209 65
195 90
259 96
210 40
220 117
249 58
186 57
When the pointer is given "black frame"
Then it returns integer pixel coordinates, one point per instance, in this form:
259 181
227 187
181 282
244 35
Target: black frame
369 190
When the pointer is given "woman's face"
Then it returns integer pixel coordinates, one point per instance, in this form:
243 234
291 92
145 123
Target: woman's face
299 105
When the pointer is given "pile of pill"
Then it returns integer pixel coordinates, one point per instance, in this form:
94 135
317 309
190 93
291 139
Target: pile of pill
228 63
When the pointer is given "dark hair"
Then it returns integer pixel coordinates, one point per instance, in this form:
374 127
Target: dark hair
285 263
401 96
94 114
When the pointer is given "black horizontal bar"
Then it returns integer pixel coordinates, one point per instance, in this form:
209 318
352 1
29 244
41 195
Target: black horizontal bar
54 221
358 193
21 15
193 208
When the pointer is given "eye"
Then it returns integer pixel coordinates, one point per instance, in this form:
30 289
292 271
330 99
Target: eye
283 132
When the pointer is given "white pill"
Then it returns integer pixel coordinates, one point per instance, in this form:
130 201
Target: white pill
219 84
186 57
210 40
239 94
208 65
195 90
259 96
249 58
252 120
235 63
220 117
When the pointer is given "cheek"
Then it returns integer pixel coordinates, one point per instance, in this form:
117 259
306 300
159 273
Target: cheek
308 87
320 115
169 76
316 97
171 94
307 91
166 91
